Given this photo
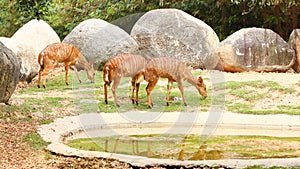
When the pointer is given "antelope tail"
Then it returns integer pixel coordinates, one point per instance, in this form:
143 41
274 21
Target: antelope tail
106 78
41 60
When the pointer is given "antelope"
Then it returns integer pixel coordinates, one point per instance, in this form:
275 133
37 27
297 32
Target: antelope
126 65
63 53
175 71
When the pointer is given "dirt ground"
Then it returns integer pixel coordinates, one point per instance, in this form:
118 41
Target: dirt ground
14 153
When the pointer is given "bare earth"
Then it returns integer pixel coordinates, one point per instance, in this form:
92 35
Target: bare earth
15 154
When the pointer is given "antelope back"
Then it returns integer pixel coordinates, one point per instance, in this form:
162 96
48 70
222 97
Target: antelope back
132 65
61 52
124 64
167 67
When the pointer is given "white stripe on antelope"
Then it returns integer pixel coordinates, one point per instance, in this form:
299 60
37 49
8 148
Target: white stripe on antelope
175 71
126 65
63 53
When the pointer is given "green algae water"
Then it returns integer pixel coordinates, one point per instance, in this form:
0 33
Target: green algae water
190 147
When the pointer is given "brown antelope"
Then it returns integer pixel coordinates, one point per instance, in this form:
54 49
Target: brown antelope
63 53
175 71
126 65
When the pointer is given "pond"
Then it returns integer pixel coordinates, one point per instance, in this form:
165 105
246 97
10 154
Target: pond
234 140
190 147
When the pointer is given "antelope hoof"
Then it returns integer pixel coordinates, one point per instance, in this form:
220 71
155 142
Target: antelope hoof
38 86
168 103
118 105
184 104
137 103
106 102
67 83
80 81
44 86
150 106
132 100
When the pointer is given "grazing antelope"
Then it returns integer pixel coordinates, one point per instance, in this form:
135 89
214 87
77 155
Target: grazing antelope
126 65
175 71
63 53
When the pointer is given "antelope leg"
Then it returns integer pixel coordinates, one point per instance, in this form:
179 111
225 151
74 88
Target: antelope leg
44 76
67 73
180 86
169 92
137 88
114 87
133 89
39 79
105 93
149 88
73 67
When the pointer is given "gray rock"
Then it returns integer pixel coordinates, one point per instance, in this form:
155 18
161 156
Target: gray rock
174 33
99 40
10 44
255 49
127 22
28 42
9 73
23 51
294 42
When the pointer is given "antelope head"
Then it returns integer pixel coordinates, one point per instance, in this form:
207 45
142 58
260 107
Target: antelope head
201 87
91 72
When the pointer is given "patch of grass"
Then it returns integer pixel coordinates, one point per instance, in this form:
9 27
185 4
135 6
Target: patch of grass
44 105
14 112
240 107
248 95
35 141
248 109
239 90
46 121
52 83
233 85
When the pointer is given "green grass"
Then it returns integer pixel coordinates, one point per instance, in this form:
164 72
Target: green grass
169 146
87 91
233 85
34 140
247 92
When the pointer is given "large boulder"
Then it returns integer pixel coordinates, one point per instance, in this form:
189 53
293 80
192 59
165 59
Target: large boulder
99 40
10 44
28 42
255 49
9 73
294 42
28 66
174 33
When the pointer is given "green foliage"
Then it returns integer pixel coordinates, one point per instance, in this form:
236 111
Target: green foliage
225 17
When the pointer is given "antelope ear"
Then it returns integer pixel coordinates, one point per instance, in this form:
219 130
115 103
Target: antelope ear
200 79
